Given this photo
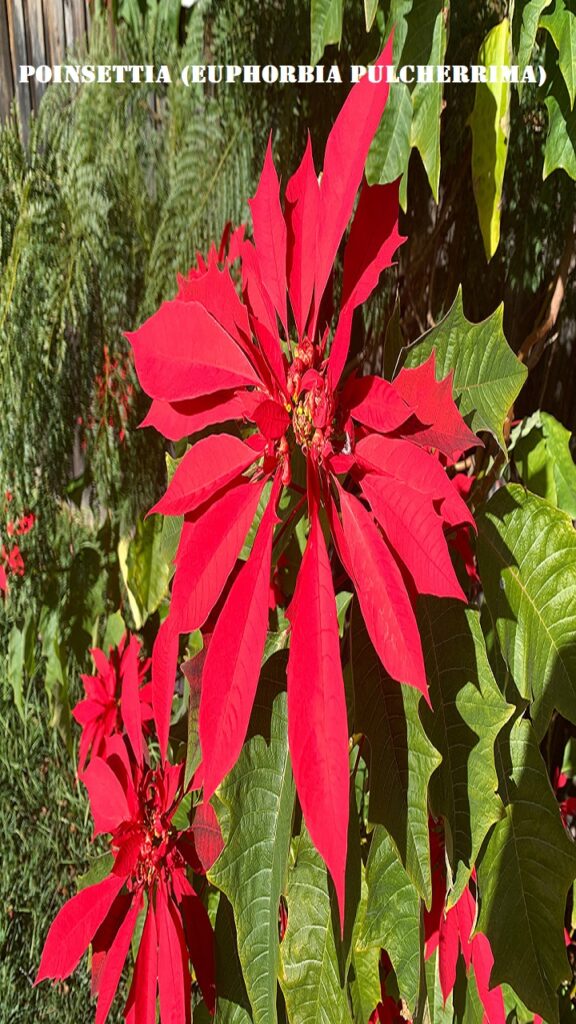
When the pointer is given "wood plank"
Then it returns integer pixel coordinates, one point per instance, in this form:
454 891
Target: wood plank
36 44
6 77
79 23
68 24
54 31
19 56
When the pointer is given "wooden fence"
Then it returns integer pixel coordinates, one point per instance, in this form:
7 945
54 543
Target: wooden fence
35 32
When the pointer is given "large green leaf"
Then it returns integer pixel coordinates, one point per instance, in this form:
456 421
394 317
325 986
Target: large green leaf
468 713
560 148
541 447
311 973
561 24
148 569
527 558
397 20
365 988
402 758
487 374
525 23
233 1005
392 920
523 876
490 129
412 117
390 150
426 45
254 807
467 1005
325 26
438 1011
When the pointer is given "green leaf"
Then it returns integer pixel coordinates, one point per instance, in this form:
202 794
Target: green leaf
527 558
148 570
526 869
115 629
311 976
561 24
191 703
525 23
122 550
490 130
426 45
325 26
370 10
487 374
541 447
365 970
181 817
468 713
170 538
558 446
398 20
99 869
393 341
438 1013
392 920
275 642
402 758
560 148
16 667
254 807
232 1005
466 989
260 509
513 1004
343 600
390 150
569 758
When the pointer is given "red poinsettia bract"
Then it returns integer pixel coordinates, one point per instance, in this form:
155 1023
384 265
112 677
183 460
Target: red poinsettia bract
115 700
136 804
209 357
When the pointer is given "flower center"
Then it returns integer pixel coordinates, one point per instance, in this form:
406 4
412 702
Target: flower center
153 849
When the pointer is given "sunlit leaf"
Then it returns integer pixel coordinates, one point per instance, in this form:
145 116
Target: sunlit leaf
469 712
490 129
524 875
254 807
527 558
401 758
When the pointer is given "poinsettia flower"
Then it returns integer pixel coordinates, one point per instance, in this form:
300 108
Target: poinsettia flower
450 932
365 448
25 523
115 700
13 560
136 804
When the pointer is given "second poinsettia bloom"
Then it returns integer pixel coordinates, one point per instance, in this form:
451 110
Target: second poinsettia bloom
148 879
117 699
366 449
